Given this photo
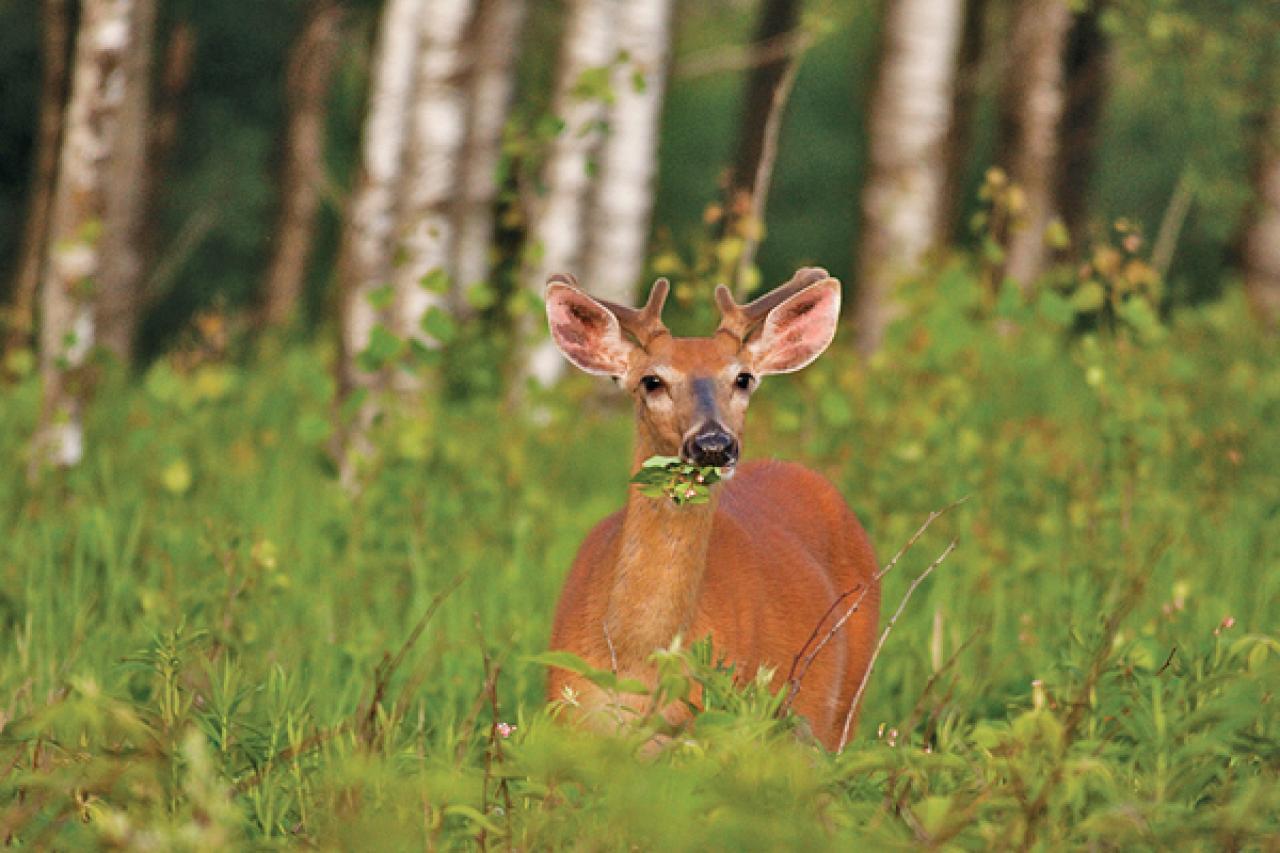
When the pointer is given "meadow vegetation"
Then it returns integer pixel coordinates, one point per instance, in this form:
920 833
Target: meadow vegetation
208 643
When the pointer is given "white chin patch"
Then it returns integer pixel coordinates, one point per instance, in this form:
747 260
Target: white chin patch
726 474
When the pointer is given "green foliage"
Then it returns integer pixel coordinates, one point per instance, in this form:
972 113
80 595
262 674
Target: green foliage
209 644
678 481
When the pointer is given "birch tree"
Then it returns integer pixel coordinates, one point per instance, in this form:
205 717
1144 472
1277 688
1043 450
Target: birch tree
55 21
1087 72
437 126
493 47
1032 104
1261 254
312 60
558 219
910 115
619 226
106 35
365 263
970 64
120 281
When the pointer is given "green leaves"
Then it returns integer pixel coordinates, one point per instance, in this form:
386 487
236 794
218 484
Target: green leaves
680 482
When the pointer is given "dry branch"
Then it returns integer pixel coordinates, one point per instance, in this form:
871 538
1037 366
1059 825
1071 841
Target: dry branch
884 635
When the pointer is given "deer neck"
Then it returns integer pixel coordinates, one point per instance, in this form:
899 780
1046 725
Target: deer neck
658 575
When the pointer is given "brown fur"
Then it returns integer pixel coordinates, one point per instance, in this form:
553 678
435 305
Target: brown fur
759 566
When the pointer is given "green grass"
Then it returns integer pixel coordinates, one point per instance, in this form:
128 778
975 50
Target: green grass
193 622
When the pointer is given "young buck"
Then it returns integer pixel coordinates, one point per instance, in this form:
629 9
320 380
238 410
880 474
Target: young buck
759 567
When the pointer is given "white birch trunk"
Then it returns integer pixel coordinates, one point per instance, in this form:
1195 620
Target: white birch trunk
372 214
312 60
902 213
558 221
1262 237
437 128
619 232
493 47
75 259
1035 99
120 282
369 238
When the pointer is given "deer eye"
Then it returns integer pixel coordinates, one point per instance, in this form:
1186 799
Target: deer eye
743 381
650 383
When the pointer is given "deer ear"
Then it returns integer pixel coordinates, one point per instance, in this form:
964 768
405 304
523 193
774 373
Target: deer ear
797 331
586 332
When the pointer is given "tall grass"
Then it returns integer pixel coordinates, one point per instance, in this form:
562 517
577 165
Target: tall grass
201 632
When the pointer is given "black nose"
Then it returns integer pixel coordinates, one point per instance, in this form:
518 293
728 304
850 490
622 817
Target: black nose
712 446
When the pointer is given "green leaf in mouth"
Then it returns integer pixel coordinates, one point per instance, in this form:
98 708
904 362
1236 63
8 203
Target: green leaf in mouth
679 481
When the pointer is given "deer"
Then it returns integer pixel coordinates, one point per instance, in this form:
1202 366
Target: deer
761 566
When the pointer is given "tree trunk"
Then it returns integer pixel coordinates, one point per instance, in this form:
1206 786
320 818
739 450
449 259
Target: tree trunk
55 43
964 99
902 212
1032 106
365 264
120 282
311 65
437 126
1088 76
89 145
1262 235
556 225
493 47
778 20
619 226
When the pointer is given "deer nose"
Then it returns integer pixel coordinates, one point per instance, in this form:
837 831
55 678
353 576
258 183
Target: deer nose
711 445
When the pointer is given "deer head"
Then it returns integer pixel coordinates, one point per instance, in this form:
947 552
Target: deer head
691 394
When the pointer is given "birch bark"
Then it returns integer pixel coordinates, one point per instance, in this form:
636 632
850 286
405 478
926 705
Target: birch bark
557 222
494 46
68 297
619 222
437 126
119 301
1033 103
365 264
1262 237
312 60
902 202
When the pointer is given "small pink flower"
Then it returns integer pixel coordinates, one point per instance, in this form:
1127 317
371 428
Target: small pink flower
1227 623
689 493
700 479
504 730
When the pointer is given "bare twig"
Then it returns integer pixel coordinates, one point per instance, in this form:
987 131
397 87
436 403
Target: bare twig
768 157
884 635
493 751
795 679
915 537
1171 225
738 58
382 675
795 683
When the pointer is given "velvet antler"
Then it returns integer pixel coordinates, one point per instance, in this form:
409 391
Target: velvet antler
740 320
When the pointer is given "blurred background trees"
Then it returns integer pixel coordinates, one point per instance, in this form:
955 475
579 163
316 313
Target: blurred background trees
403 175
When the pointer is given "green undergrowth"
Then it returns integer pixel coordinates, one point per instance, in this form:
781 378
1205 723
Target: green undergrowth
205 642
